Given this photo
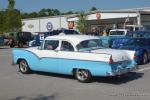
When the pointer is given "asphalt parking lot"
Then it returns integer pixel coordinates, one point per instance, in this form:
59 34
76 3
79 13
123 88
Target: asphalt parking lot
46 86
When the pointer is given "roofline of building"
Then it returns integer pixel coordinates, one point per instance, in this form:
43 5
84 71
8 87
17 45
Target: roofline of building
105 11
131 10
49 17
117 11
139 9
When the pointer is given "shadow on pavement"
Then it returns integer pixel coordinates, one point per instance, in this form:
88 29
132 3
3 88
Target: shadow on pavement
39 97
54 75
110 80
119 80
4 47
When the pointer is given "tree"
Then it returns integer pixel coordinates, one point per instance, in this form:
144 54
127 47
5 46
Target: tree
69 12
82 22
25 15
33 15
42 13
11 5
2 21
13 18
93 9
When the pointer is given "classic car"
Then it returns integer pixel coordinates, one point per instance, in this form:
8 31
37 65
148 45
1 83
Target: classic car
140 45
113 34
78 55
138 34
122 33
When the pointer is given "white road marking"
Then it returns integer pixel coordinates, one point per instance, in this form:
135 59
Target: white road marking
143 69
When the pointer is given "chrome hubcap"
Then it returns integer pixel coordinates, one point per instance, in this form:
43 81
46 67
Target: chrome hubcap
82 74
23 66
145 58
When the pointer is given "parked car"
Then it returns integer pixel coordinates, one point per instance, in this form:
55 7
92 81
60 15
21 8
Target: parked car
122 33
138 34
140 45
79 55
1 40
18 38
118 32
113 34
134 27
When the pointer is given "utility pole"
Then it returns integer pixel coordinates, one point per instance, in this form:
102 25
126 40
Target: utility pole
139 18
60 20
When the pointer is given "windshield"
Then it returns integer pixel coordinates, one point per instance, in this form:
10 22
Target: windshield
117 33
90 45
135 35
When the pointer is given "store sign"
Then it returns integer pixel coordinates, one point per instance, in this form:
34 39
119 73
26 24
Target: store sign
30 26
49 26
98 15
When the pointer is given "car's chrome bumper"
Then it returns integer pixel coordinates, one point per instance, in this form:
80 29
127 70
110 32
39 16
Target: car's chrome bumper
121 71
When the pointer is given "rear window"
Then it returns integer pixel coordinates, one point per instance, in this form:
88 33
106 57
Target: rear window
135 35
117 33
90 44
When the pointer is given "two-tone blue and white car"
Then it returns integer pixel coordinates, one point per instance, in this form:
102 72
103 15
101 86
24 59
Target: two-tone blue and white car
79 55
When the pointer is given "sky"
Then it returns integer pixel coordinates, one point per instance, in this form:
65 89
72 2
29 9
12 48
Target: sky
75 5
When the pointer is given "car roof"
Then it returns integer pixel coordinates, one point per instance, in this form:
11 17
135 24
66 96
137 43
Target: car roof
75 39
119 30
138 32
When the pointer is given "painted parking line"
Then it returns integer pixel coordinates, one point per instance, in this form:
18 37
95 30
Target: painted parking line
143 69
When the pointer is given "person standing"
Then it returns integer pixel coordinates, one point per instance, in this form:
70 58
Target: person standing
94 31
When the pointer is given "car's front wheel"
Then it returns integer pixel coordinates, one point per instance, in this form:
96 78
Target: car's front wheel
83 75
24 67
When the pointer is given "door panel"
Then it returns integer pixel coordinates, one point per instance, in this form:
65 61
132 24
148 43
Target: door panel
47 61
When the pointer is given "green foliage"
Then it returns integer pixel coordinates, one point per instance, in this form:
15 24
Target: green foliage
82 22
13 21
11 4
2 21
93 9
10 19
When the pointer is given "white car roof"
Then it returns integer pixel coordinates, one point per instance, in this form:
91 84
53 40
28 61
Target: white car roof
75 39
118 30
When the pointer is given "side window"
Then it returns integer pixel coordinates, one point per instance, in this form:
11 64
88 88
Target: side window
66 46
51 44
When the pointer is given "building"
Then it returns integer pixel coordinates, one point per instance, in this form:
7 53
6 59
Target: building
44 24
101 19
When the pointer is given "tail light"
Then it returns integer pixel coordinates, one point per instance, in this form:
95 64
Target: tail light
134 57
110 60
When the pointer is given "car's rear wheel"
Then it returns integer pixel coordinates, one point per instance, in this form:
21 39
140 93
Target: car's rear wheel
83 75
24 67
145 58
